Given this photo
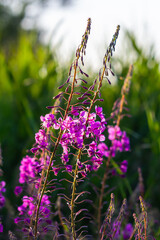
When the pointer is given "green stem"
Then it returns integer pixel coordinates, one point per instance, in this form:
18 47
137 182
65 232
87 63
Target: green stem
72 202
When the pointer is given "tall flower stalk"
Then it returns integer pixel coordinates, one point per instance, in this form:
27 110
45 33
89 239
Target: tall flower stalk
113 131
79 53
102 72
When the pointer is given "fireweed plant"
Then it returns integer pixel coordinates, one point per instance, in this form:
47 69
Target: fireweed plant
74 140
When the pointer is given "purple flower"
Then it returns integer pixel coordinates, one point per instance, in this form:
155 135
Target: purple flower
117 145
2 190
92 117
17 190
125 142
99 110
92 148
66 123
41 139
48 120
84 174
96 128
1 227
116 227
103 149
55 170
65 158
29 168
112 151
2 201
65 140
17 220
74 111
2 186
80 165
102 138
68 168
88 167
124 166
127 231
96 162
35 150
114 132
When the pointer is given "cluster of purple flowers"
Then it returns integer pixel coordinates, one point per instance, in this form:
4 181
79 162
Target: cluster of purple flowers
119 140
119 143
30 173
79 131
29 169
41 137
28 207
2 200
76 127
126 233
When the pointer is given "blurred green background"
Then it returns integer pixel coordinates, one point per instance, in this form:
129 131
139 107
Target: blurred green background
30 73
